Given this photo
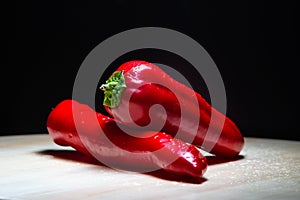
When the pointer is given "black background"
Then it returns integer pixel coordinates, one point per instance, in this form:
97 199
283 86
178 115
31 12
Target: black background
252 43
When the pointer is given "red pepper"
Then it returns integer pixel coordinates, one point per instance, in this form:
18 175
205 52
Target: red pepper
70 118
138 85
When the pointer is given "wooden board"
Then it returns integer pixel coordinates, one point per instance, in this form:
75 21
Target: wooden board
33 167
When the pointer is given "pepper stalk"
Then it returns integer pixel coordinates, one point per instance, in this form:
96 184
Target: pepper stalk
113 89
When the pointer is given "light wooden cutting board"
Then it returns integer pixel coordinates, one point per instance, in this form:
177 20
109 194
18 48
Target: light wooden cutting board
33 167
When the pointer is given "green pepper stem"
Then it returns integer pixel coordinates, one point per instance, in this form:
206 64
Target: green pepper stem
113 89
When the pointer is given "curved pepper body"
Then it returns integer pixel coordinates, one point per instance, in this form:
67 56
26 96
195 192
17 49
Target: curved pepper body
181 104
101 137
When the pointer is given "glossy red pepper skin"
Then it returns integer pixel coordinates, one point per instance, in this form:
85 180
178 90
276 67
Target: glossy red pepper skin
142 92
92 142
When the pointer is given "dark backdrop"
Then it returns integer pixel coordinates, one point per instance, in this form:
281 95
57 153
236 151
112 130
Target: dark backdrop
252 43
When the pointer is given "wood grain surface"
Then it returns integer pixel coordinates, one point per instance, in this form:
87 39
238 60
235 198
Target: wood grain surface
33 167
